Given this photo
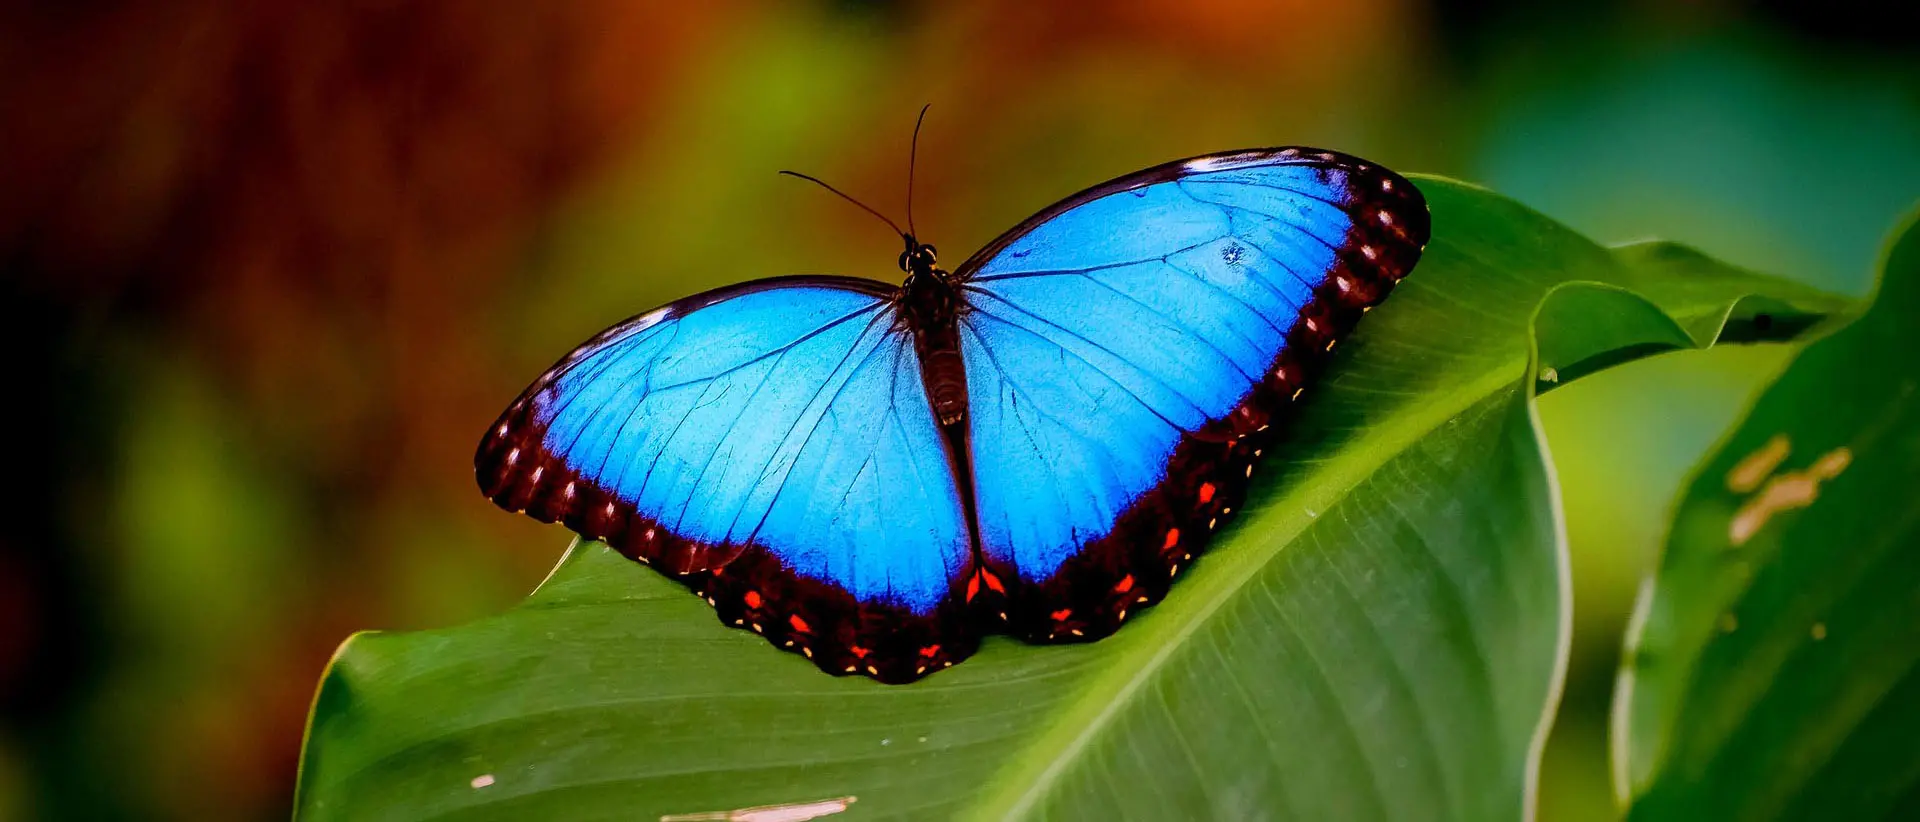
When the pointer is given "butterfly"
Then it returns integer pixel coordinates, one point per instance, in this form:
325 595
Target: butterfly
1034 443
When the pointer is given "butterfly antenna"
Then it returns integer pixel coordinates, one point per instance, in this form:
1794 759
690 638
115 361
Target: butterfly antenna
849 198
913 157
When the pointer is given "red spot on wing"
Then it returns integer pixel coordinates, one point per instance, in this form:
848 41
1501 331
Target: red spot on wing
1061 614
799 624
993 582
1125 585
1206 492
753 600
1173 539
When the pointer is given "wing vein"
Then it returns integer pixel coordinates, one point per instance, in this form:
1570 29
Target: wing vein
1097 369
808 440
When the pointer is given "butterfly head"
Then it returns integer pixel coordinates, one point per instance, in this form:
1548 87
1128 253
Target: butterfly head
919 258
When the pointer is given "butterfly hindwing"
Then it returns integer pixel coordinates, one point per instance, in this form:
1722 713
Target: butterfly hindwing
772 446
1129 350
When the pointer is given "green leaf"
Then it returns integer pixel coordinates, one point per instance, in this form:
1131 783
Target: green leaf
1381 636
1773 671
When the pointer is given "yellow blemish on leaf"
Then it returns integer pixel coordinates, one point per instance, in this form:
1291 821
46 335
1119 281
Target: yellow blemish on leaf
1757 466
793 812
1794 489
1819 631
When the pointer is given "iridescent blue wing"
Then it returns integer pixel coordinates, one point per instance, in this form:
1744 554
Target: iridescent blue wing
771 445
1129 350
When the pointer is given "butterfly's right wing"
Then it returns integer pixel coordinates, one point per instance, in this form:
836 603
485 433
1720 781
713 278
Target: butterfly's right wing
771 445
1129 349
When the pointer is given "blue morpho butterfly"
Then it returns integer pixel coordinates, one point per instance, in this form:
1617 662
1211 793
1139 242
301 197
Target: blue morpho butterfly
1034 443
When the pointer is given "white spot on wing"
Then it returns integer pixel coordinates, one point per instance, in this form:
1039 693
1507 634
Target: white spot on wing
1202 165
643 322
1221 162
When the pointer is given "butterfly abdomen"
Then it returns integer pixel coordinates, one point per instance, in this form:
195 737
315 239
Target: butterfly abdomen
929 306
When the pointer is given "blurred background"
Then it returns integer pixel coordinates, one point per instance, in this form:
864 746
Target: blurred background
269 269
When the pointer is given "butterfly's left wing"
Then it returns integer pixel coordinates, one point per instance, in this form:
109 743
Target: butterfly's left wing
770 445
1128 350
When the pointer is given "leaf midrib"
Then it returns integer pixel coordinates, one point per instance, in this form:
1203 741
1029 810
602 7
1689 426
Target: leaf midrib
1364 456
1360 459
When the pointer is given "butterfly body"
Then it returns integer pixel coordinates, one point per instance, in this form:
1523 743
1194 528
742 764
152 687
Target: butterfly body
930 300
1035 443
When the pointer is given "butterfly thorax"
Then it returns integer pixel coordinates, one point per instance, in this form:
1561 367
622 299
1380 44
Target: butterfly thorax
930 304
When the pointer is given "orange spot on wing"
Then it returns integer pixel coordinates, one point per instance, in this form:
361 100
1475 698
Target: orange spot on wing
859 651
973 587
1173 538
799 624
753 600
1126 584
993 582
1061 614
1206 492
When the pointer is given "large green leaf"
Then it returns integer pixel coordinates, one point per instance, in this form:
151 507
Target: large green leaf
1775 669
1379 638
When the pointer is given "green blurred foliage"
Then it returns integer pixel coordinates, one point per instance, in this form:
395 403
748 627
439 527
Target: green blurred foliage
278 264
